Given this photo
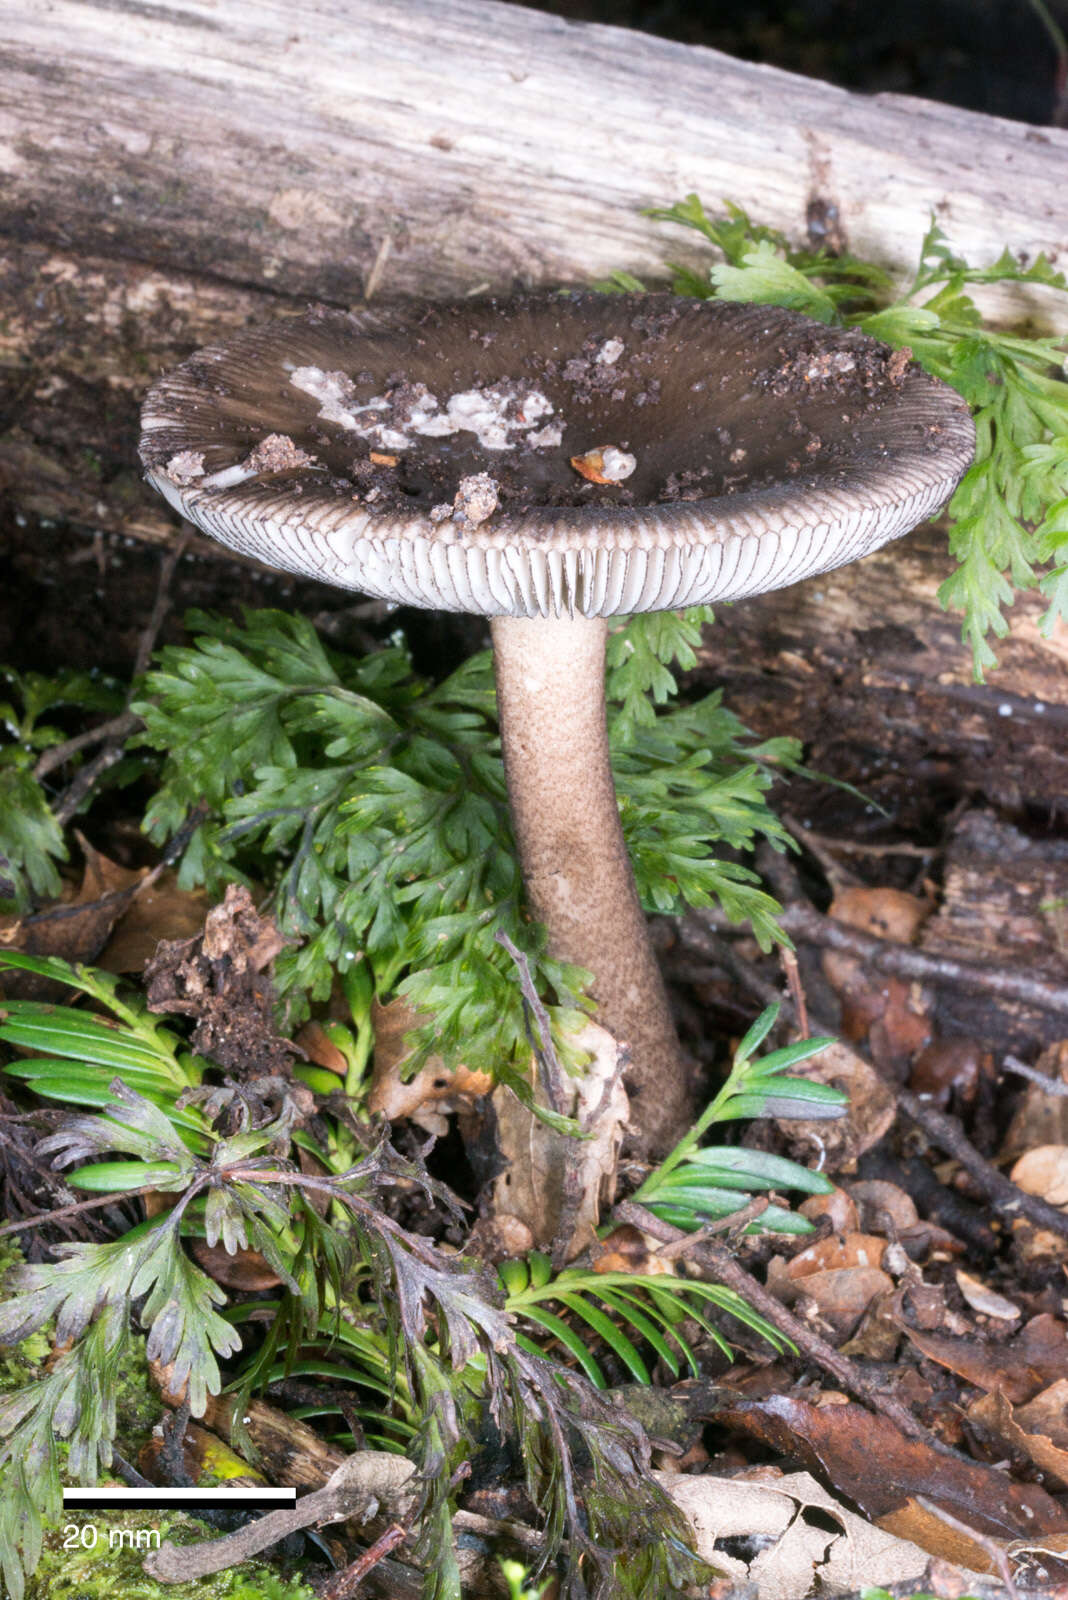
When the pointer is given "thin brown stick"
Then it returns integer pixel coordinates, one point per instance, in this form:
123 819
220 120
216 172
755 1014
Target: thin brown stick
81 1205
1048 1085
115 728
719 1264
992 1547
804 923
347 1581
528 1539
853 847
738 1221
162 604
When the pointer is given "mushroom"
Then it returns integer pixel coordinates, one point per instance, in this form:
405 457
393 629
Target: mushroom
429 457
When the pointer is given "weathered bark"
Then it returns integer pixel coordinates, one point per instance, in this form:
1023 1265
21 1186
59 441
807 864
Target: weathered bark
282 145
868 670
1004 905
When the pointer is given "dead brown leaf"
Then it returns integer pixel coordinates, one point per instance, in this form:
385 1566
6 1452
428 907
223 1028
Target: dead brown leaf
840 1273
1040 1117
556 1184
1043 1171
76 928
796 1553
161 910
951 1069
890 1013
243 1270
835 1252
984 1300
995 1415
1038 1356
881 1205
837 1206
434 1092
868 1460
320 1049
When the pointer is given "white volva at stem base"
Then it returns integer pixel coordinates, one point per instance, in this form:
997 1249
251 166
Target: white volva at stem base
579 881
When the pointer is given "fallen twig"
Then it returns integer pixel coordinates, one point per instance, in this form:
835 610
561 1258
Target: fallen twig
72 798
810 926
943 1131
347 1581
363 1481
1054 1086
115 728
718 1262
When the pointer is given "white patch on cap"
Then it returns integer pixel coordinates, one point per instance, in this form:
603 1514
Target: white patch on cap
495 415
609 353
616 464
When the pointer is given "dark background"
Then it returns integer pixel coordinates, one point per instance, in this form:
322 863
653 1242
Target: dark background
997 56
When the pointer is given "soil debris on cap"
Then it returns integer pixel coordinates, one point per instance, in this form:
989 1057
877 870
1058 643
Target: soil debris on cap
185 467
476 498
866 368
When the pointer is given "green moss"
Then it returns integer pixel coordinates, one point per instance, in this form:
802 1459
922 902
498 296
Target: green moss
106 1573
138 1405
20 1363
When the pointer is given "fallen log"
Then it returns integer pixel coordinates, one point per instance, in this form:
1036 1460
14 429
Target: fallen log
169 174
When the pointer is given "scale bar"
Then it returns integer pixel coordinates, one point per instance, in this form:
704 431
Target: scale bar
220 1497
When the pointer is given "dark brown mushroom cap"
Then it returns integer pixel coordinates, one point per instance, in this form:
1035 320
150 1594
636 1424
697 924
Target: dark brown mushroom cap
569 453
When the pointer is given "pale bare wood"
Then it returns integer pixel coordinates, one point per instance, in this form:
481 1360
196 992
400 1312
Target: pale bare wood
283 142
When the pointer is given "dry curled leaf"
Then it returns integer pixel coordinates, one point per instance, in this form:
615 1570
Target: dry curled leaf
76 927
891 1014
1041 1117
1044 1172
883 1206
983 1299
994 1414
783 1519
433 1093
550 1180
1038 1356
871 1462
838 1207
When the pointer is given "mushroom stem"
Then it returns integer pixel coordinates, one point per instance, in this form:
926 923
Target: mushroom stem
579 881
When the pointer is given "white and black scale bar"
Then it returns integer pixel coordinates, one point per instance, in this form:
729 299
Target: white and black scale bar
113 1497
